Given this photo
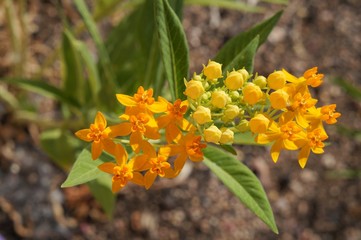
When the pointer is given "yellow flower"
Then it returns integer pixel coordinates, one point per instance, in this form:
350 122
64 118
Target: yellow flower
259 123
227 136
279 99
314 143
123 172
142 101
173 120
98 134
234 80
213 70
202 115
219 99
276 80
189 146
212 134
285 135
252 93
194 89
138 126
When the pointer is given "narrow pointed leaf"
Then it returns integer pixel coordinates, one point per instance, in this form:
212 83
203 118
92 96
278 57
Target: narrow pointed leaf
241 181
235 45
173 46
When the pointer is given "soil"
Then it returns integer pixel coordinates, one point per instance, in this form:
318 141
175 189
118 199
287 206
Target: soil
323 201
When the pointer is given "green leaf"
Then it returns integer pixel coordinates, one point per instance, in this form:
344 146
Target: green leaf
85 169
244 59
73 79
241 181
101 189
228 148
173 46
235 45
60 146
43 88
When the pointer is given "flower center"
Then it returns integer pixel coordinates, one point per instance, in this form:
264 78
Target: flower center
97 132
122 174
289 130
138 122
158 165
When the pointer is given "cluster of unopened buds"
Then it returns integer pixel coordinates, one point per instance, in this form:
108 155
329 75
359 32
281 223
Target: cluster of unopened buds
278 109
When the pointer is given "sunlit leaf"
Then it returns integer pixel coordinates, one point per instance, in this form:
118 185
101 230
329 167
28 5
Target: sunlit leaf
241 181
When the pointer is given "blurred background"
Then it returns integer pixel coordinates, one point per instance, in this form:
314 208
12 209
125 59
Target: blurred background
323 201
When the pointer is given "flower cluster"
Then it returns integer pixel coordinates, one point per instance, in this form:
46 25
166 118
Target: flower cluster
278 109
143 120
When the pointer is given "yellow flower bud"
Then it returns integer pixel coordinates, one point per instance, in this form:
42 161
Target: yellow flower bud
279 99
244 73
213 70
219 99
259 123
260 81
252 94
234 80
227 136
231 112
194 89
202 115
212 134
243 126
276 80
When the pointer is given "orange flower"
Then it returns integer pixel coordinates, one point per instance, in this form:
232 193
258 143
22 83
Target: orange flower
189 146
143 100
301 102
173 120
123 172
329 114
314 143
138 126
157 164
309 78
98 134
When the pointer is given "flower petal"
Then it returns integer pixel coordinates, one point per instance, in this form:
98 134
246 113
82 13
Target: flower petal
100 120
303 156
117 185
179 162
107 167
122 129
275 150
121 156
126 100
138 178
108 145
96 149
83 135
135 141
149 179
158 107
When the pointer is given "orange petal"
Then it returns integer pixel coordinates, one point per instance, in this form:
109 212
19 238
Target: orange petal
163 121
149 149
151 133
140 163
138 178
107 167
100 120
126 100
135 141
172 133
149 179
122 129
121 156
179 162
83 135
117 186
96 150
108 145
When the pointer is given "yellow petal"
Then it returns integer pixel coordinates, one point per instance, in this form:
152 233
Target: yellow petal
185 125
158 107
149 179
83 135
303 156
100 120
318 150
301 120
275 150
290 77
164 151
126 100
107 167
289 145
96 150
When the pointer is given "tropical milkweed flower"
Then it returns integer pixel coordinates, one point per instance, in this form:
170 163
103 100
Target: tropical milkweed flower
202 115
98 133
123 171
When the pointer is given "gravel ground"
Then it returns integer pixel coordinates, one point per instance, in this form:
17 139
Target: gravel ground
319 202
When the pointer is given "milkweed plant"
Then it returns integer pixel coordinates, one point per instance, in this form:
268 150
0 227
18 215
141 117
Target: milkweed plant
204 117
